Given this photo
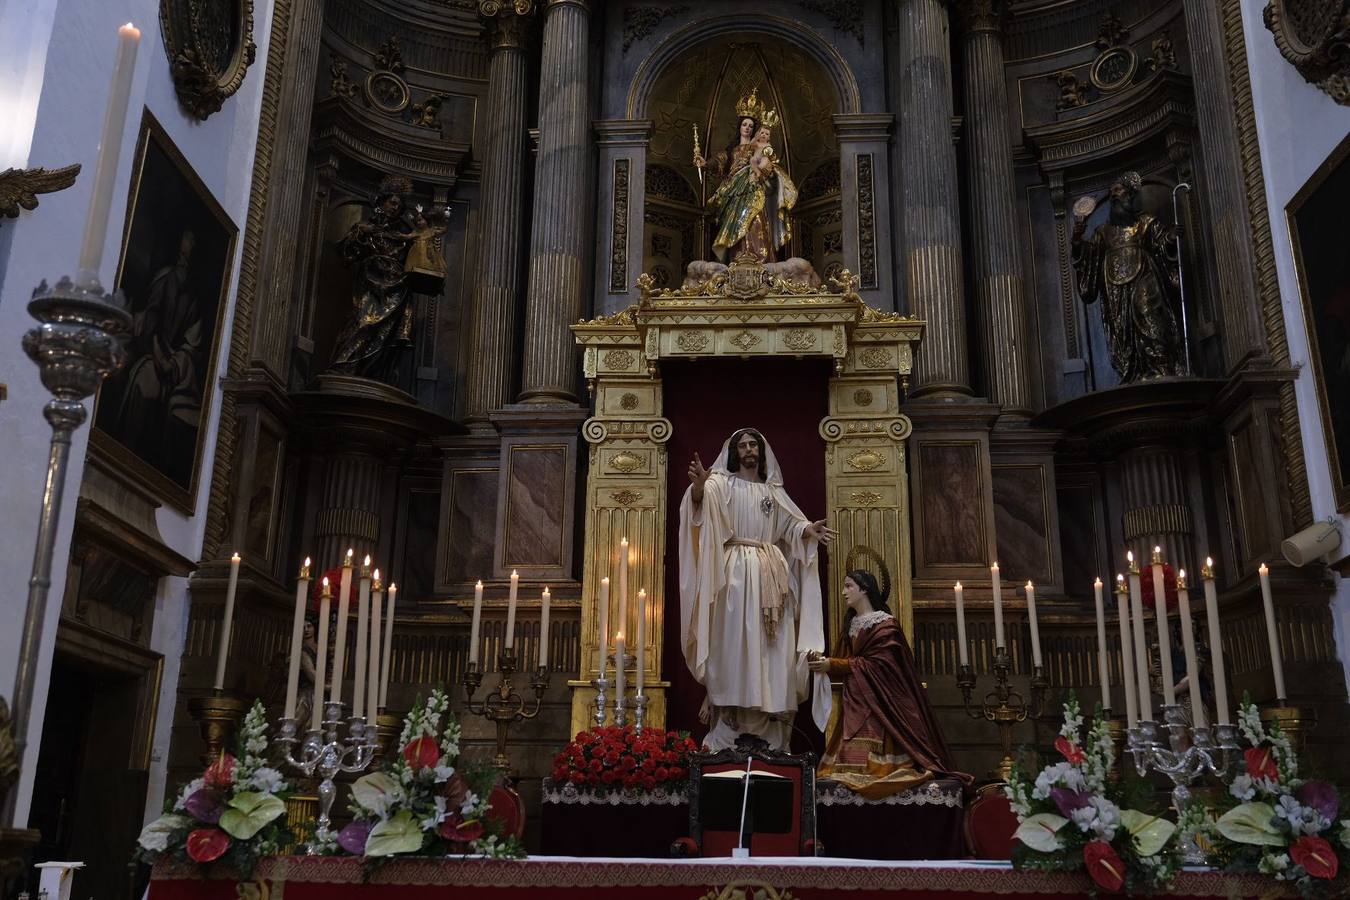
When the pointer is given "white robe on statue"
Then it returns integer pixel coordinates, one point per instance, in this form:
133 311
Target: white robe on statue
743 544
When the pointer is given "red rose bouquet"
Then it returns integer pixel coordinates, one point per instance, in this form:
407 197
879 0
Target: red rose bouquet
618 758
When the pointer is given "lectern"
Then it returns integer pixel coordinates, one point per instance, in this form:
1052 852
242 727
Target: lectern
777 810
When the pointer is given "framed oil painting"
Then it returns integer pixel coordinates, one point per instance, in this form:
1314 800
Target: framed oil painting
1320 233
177 250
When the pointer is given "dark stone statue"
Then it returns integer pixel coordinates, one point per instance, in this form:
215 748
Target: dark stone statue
1129 263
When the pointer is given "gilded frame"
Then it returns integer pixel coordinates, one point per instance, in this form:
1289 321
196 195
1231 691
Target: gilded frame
1310 265
103 441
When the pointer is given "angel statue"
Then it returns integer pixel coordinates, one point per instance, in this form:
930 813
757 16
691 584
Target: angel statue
754 193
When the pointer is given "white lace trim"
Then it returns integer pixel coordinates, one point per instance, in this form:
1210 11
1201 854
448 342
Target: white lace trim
569 794
867 620
934 793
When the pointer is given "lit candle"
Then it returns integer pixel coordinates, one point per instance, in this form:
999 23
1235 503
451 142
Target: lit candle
1188 645
340 645
297 640
387 656
321 659
227 624
962 653
1140 645
475 627
1035 628
1272 634
511 611
1103 673
362 639
1164 632
623 584
641 637
998 606
109 151
618 667
604 624
373 664
1215 642
543 629
1126 653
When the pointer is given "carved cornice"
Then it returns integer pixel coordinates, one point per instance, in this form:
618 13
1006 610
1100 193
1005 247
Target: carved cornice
19 187
1314 36
386 146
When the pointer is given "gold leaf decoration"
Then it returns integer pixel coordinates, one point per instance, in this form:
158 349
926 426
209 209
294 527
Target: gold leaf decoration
865 498
626 497
626 461
866 460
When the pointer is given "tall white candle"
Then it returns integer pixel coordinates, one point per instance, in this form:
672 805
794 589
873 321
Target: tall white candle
340 644
1164 630
227 624
1140 642
543 629
962 653
388 654
1272 634
1103 673
604 624
373 664
641 638
1198 719
1035 626
109 150
362 640
511 611
297 640
998 606
623 586
321 658
475 627
618 667
1126 653
1215 643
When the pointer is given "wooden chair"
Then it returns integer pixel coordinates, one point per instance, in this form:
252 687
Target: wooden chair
990 823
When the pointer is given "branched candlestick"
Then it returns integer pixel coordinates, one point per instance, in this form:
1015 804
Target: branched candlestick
601 686
639 711
621 662
325 753
504 706
1003 705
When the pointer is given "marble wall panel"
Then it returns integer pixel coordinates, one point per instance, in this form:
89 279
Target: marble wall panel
951 508
1081 535
535 506
468 526
1022 522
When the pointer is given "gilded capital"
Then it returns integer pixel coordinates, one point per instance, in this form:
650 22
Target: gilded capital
980 15
492 8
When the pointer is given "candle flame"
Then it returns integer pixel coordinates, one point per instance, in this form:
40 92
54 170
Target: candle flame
376 573
393 588
995 565
619 636
1209 563
366 562
131 30
350 551
1120 578
325 581
624 542
642 592
513 574
307 562
1181 579
1097 582
1129 556
479 583
235 558
605 580
958 586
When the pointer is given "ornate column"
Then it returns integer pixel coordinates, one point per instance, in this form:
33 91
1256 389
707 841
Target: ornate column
931 234
560 233
495 291
998 276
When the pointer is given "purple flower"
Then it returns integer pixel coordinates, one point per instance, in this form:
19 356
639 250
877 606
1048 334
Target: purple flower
1069 800
205 805
353 837
1321 796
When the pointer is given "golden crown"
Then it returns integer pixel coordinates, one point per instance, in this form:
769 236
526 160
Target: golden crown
750 105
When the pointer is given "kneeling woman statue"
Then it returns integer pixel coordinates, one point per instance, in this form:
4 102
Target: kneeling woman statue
886 739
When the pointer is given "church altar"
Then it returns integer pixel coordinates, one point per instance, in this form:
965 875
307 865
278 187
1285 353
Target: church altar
575 878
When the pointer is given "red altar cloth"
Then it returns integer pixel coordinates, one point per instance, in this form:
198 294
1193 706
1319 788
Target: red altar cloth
569 878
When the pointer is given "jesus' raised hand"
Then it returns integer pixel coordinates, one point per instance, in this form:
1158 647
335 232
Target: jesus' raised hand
698 476
820 531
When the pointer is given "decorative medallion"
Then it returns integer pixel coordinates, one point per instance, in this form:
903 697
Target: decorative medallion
626 497
745 340
628 401
1314 36
865 460
619 360
692 341
1114 69
862 397
865 498
618 246
875 358
385 88
210 47
626 461
800 339
19 187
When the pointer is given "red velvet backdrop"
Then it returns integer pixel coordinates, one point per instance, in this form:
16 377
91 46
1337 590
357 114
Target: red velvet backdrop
705 401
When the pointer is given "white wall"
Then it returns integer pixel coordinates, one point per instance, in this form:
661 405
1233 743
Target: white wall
1298 127
67 92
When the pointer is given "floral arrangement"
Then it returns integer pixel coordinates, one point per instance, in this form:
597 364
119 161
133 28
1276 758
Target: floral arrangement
425 802
623 758
1071 818
235 812
1275 823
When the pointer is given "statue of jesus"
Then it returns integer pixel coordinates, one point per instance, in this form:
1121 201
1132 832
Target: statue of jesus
750 607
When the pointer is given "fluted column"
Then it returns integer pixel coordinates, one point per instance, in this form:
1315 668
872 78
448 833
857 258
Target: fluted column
498 281
999 291
931 232
555 295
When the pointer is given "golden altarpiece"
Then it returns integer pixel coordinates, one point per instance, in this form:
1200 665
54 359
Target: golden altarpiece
744 313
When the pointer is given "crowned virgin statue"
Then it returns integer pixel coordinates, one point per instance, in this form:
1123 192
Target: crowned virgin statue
754 193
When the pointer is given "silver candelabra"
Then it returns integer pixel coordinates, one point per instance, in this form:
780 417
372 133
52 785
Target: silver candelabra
325 753
621 703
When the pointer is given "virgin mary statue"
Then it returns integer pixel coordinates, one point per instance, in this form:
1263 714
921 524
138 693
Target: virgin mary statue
754 193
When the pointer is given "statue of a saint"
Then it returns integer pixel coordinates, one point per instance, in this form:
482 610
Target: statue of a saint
380 329
1130 264
754 193
750 607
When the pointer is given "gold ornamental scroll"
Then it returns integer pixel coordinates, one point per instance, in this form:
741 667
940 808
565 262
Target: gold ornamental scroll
744 312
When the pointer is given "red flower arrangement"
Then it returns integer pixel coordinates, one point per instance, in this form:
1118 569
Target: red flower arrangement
1316 856
1069 750
613 758
1104 865
1169 586
1261 763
